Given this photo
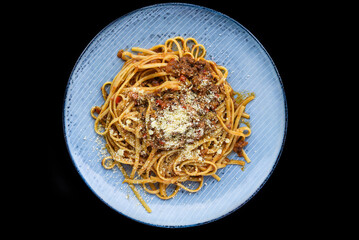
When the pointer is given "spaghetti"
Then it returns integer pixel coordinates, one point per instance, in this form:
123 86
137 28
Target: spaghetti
171 115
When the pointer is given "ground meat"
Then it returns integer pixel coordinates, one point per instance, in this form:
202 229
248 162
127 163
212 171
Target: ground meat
119 54
188 67
215 89
198 74
238 146
172 67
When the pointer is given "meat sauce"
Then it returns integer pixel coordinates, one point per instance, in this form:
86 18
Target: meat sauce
186 115
180 117
238 147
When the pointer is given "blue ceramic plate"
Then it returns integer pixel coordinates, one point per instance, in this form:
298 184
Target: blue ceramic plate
250 68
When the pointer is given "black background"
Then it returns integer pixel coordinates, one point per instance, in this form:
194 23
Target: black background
282 205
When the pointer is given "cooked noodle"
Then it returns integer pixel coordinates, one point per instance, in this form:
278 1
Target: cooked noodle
171 115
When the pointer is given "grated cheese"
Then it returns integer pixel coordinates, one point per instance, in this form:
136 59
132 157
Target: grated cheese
176 121
119 153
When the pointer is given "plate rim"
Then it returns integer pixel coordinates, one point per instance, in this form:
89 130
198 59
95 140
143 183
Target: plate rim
215 12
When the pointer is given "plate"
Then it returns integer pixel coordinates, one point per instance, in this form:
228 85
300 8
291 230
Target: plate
227 43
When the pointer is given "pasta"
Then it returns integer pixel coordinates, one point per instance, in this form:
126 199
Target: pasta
171 115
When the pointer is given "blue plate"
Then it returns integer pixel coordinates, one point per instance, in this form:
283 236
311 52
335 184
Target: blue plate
227 43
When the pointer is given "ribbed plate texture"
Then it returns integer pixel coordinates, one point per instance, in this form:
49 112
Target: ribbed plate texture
228 44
